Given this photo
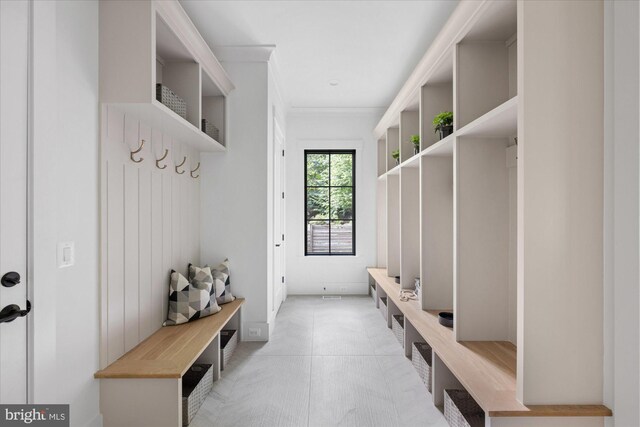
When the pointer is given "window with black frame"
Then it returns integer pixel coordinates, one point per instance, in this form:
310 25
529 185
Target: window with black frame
330 200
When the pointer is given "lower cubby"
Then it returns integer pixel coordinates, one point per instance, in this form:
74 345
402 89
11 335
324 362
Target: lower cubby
197 382
382 303
460 410
228 344
397 326
421 358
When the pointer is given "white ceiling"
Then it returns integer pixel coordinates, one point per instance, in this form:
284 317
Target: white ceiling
369 47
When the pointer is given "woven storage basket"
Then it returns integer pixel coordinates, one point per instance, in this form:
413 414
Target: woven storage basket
372 289
397 326
421 359
171 100
210 129
460 410
383 307
196 385
228 344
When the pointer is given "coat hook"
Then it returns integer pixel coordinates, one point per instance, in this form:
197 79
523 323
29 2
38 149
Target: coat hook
197 167
137 151
180 165
166 152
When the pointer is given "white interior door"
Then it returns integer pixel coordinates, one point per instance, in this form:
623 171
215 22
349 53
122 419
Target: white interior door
278 217
14 84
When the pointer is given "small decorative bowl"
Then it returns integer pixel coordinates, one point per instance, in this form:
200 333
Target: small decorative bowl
446 319
397 279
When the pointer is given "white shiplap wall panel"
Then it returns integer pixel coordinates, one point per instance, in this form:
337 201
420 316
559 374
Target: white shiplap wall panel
150 226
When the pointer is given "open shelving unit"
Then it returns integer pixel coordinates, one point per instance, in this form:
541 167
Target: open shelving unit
154 42
486 369
493 218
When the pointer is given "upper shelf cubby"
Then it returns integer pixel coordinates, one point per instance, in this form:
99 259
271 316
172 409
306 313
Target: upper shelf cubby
436 96
409 127
486 64
149 43
393 144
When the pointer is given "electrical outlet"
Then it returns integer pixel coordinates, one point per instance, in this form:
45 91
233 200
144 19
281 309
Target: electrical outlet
343 289
254 332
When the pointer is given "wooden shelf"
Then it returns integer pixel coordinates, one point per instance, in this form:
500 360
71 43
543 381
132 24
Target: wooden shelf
170 351
159 116
500 122
487 369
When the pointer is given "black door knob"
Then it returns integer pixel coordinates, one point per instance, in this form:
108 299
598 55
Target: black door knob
10 279
12 312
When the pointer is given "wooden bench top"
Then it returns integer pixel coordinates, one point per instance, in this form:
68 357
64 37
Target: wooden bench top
486 369
171 350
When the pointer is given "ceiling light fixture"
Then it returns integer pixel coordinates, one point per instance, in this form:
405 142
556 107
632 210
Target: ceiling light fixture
333 83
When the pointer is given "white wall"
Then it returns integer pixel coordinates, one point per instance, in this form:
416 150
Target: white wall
235 194
146 229
622 211
275 106
65 207
313 129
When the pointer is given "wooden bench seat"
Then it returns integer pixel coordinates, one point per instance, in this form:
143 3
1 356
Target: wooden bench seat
170 351
486 369
144 386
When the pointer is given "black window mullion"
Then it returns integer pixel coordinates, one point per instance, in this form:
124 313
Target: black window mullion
330 218
330 215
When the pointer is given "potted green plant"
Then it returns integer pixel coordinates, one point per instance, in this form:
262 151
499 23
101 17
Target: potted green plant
415 140
443 123
396 155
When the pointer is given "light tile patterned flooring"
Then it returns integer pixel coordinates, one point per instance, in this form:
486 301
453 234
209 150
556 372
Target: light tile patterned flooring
328 363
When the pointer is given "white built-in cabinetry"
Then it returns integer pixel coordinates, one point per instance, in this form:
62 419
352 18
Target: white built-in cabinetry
143 43
502 220
150 161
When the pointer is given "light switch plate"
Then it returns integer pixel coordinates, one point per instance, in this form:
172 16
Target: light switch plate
66 254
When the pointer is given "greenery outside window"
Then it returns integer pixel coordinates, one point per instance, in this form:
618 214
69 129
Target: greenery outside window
330 200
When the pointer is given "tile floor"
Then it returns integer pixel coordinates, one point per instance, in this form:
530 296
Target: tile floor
328 363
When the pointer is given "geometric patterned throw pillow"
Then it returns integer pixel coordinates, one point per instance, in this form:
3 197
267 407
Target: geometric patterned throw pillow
222 282
191 300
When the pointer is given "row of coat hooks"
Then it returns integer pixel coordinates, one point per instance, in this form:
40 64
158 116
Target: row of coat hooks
164 156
